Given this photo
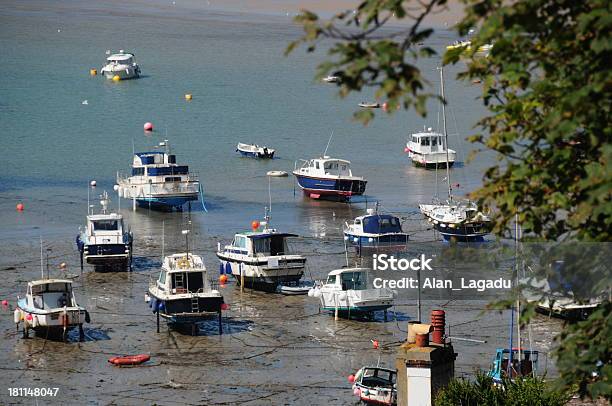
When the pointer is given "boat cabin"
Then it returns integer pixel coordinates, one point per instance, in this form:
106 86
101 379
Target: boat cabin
121 59
105 229
183 273
326 167
524 366
376 377
258 244
347 279
47 294
373 223
428 141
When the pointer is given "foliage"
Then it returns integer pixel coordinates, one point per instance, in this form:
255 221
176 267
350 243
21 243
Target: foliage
521 392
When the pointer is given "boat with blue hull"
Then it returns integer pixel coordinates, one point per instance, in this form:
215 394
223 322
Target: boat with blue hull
158 182
328 178
255 151
183 293
374 230
105 242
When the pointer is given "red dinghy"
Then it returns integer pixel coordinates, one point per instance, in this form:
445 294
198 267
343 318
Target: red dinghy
130 359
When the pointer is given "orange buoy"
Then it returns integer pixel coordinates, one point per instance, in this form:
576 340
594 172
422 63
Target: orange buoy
188 96
254 225
375 344
93 72
129 359
20 207
223 279
351 378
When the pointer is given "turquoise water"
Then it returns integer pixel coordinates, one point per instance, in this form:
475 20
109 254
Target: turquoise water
243 89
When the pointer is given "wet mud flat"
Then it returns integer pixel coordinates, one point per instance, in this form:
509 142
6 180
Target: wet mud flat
274 349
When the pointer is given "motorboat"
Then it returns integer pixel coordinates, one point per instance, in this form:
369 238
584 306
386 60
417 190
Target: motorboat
369 105
260 259
105 242
331 79
467 45
255 151
183 293
50 309
429 149
374 230
376 385
346 292
328 177
513 364
458 220
277 174
122 65
158 182
295 288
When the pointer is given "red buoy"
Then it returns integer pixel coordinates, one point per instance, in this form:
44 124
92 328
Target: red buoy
148 126
254 225
225 306
351 378
223 279
375 344
20 207
129 359
5 302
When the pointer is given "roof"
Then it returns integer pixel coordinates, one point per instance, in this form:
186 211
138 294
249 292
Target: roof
111 216
48 281
382 216
329 159
119 57
345 270
265 234
428 133
139 154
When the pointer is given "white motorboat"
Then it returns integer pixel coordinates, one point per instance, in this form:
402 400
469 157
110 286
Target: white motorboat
369 105
122 64
50 308
183 293
331 79
376 385
429 149
374 230
157 181
346 291
328 177
260 258
105 242
255 151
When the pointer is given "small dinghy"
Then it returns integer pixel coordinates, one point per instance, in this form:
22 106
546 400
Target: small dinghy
369 105
129 359
300 288
255 151
277 174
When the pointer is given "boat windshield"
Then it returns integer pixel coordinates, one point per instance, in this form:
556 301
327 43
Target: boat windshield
273 245
331 279
50 288
374 377
353 281
105 225
381 224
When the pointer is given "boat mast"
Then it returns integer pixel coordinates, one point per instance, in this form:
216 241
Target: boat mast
42 269
448 182
328 142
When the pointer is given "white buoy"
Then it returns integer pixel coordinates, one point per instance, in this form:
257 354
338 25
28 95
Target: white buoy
93 183
116 188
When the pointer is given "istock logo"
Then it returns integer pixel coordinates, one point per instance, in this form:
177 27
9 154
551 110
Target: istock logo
384 262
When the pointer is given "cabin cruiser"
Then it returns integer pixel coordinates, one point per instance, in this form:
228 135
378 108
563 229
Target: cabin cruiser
428 149
458 220
255 151
122 65
50 308
157 181
375 230
328 178
260 258
376 385
183 293
105 243
346 291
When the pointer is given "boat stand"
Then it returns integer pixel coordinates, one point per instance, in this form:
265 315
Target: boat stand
220 324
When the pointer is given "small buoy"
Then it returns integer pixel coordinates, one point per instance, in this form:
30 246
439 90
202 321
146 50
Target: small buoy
63 265
5 302
351 378
385 106
93 183
148 126
28 317
85 102
223 279
116 188
93 72
406 149
254 225
20 207
225 306
356 392
188 96
375 344
116 78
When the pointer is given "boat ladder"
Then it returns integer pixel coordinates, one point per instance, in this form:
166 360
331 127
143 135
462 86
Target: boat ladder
195 304
178 281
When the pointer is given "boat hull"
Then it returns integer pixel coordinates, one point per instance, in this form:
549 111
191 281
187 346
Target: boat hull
183 310
469 232
342 189
166 202
130 72
106 254
252 154
259 276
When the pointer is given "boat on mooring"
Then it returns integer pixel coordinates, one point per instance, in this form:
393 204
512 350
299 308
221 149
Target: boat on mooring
260 259
513 364
331 79
429 149
375 385
183 293
374 230
122 64
369 105
346 292
50 309
328 178
158 182
105 242
255 151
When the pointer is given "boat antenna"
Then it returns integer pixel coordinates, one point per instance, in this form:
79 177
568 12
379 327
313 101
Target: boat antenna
269 196
186 234
163 238
42 269
448 181
328 142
